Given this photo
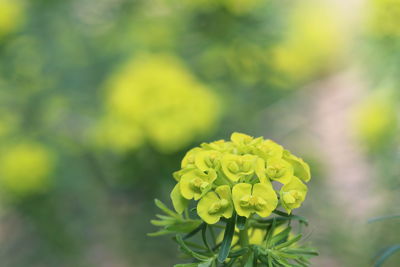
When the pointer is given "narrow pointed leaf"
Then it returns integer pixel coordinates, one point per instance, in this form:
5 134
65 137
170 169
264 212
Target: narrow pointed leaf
291 216
204 236
386 254
282 236
269 233
289 242
238 252
383 218
165 209
227 241
250 260
195 231
188 251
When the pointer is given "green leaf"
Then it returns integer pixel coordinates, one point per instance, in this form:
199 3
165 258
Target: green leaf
241 222
187 265
207 263
204 236
227 241
286 255
301 251
183 226
289 242
231 262
164 217
238 252
159 223
165 209
291 216
195 231
269 258
250 260
383 218
301 263
281 261
269 233
158 233
386 254
282 236
188 251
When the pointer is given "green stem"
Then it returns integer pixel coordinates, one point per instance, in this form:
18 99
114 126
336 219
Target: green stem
243 238
186 213
244 242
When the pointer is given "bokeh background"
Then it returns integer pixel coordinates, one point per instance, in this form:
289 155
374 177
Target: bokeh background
100 99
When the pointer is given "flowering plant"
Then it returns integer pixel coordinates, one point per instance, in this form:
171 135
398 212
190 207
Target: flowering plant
235 186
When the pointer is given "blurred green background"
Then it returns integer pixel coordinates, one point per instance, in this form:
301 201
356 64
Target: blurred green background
100 99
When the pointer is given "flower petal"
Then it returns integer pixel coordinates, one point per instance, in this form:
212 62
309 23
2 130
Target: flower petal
224 192
178 201
267 193
204 205
239 191
301 169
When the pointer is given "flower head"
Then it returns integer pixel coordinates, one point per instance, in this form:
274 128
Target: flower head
293 194
279 170
237 175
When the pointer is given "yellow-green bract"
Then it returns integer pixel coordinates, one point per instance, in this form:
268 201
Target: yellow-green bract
239 175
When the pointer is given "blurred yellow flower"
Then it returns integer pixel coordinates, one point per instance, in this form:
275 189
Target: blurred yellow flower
11 15
118 134
155 98
375 120
25 168
384 18
315 39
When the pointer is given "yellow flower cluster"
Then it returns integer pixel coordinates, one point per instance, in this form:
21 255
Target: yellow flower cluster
237 175
155 98
25 168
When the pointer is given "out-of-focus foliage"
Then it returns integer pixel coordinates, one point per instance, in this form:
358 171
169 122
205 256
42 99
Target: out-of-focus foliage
237 7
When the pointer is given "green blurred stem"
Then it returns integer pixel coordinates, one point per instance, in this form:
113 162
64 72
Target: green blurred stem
244 242
186 213
243 238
